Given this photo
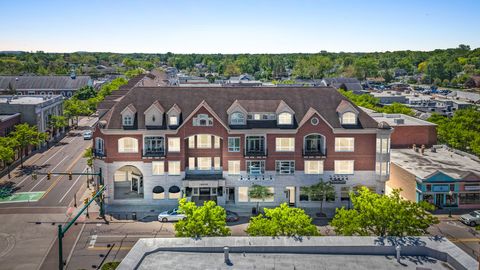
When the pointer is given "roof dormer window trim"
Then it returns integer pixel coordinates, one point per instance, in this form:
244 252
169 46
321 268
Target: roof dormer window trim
127 120
203 120
349 118
285 118
238 118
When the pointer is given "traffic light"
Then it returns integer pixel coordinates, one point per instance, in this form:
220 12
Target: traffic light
85 201
70 176
94 193
49 176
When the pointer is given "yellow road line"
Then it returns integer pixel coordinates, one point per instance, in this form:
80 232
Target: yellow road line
59 177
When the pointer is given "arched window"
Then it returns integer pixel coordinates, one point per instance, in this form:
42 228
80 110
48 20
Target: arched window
285 118
349 118
127 145
314 144
158 193
127 120
237 118
203 120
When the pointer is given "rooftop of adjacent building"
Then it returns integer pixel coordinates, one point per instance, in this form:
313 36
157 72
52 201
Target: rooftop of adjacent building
5 117
452 162
397 119
29 99
337 252
44 82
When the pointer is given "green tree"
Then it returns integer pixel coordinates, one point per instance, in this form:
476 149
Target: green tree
58 122
282 221
320 191
259 192
366 67
73 108
383 215
201 221
397 108
26 136
85 93
7 151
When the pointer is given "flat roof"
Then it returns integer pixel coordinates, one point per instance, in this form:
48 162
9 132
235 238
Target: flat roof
393 119
323 252
4 117
451 162
27 100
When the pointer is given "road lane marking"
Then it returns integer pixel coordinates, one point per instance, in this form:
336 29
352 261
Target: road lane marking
108 248
58 178
93 239
74 245
38 183
74 183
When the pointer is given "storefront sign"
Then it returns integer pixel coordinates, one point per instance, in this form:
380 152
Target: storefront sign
469 188
440 188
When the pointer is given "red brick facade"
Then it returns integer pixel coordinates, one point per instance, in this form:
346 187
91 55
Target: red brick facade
405 136
7 125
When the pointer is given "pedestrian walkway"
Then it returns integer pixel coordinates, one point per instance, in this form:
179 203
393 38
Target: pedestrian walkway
23 197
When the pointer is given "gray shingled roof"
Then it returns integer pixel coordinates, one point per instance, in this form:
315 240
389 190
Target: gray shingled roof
323 99
44 82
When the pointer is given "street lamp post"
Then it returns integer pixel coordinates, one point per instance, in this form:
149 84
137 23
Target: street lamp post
450 193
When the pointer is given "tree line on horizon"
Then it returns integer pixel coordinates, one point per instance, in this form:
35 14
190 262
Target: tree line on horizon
443 67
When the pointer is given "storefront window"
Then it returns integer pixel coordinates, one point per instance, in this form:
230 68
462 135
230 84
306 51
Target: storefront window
428 198
470 198
451 200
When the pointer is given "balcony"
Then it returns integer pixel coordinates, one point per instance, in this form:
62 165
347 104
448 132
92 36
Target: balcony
255 153
201 174
154 153
257 177
313 153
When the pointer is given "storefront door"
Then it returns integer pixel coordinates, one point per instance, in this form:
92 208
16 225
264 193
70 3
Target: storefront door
439 199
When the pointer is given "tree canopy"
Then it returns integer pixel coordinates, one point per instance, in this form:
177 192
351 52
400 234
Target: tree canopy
200 221
383 215
282 221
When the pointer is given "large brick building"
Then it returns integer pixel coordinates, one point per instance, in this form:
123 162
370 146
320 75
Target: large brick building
157 144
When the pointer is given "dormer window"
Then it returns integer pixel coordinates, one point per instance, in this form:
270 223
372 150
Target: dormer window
127 120
173 120
202 120
349 118
154 115
285 118
237 118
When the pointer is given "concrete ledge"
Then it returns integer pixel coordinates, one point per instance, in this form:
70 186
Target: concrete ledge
435 247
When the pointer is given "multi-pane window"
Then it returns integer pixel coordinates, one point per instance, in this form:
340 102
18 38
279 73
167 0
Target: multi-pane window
255 144
344 166
216 163
216 142
191 163
191 142
173 120
174 167
234 167
158 168
313 166
343 144
255 167
99 145
383 168
127 145
153 144
314 144
204 163
305 195
285 166
285 144
243 194
127 120
285 118
261 116
349 118
383 145
270 198
204 141
237 118
344 193
233 144
203 120
173 144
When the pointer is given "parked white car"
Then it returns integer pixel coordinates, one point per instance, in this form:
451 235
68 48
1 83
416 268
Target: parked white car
471 219
87 135
170 215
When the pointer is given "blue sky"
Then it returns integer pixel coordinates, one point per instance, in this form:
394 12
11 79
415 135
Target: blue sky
262 26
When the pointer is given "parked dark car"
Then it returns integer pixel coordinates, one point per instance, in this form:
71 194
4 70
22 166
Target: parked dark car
232 216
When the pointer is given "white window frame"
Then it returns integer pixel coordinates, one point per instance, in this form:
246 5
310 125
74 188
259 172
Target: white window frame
237 118
242 194
173 120
100 145
349 118
281 169
174 167
158 168
262 166
234 167
349 169
204 163
127 120
216 142
204 145
202 120
123 149
317 167
191 163
383 145
234 148
191 142
344 144
279 147
217 163
174 144
285 118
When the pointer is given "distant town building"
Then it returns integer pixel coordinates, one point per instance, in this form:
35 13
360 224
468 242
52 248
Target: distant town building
389 97
34 110
242 80
8 122
438 175
350 84
43 85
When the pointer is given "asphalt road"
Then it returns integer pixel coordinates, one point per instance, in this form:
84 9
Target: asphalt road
28 229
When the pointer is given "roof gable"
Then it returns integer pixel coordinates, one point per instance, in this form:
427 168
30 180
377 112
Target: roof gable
439 176
155 106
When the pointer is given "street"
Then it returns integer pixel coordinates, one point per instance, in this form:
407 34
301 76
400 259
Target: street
28 228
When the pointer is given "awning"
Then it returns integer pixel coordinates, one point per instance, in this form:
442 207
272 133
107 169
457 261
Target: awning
158 190
204 183
174 189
